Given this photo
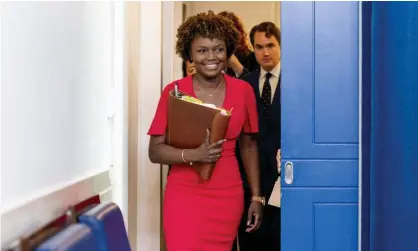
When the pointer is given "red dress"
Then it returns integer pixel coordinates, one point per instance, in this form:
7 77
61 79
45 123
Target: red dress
205 216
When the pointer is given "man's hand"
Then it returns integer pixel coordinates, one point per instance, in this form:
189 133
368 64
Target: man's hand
279 160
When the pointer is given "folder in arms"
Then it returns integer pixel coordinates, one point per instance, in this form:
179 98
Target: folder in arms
188 120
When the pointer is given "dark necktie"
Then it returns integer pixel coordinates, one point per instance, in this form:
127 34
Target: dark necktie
266 95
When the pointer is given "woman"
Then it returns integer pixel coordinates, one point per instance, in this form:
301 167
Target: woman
205 216
243 60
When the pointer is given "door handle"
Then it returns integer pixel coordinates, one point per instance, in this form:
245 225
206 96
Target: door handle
288 172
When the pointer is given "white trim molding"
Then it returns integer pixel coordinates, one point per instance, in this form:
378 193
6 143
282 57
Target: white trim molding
119 112
132 68
149 92
39 211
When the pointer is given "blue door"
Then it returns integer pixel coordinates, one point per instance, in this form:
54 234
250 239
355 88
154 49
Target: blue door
320 103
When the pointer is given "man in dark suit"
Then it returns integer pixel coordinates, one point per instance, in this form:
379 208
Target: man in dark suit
265 39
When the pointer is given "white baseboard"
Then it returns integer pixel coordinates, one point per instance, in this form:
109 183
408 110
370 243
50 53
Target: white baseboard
40 211
106 195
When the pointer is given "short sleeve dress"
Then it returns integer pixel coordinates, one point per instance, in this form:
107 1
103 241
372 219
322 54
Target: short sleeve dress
205 216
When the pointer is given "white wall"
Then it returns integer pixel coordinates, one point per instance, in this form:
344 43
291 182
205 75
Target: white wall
252 13
56 71
172 19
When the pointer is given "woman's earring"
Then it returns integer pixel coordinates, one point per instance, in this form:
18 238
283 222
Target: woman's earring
191 60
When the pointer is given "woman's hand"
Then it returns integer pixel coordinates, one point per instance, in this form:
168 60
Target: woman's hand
207 152
254 212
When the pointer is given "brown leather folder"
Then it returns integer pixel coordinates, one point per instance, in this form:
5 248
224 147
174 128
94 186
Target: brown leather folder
187 125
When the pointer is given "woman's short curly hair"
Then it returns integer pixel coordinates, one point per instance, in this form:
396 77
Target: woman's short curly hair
206 25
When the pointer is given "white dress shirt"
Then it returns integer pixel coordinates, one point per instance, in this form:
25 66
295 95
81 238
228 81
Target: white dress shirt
274 79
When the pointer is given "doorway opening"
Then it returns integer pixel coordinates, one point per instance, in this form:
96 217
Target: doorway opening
319 116
174 13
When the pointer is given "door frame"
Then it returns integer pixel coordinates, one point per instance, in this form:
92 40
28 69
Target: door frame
360 100
143 47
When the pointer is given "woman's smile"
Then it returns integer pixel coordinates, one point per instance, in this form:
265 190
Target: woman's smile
211 66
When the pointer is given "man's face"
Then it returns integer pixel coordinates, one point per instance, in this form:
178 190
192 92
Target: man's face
267 50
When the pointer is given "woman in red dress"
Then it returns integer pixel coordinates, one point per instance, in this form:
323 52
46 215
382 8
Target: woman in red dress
205 216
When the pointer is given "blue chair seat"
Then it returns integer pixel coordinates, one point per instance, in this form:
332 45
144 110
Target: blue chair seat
76 237
106 222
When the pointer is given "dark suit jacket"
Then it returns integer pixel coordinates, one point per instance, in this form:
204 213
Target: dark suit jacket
268 140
